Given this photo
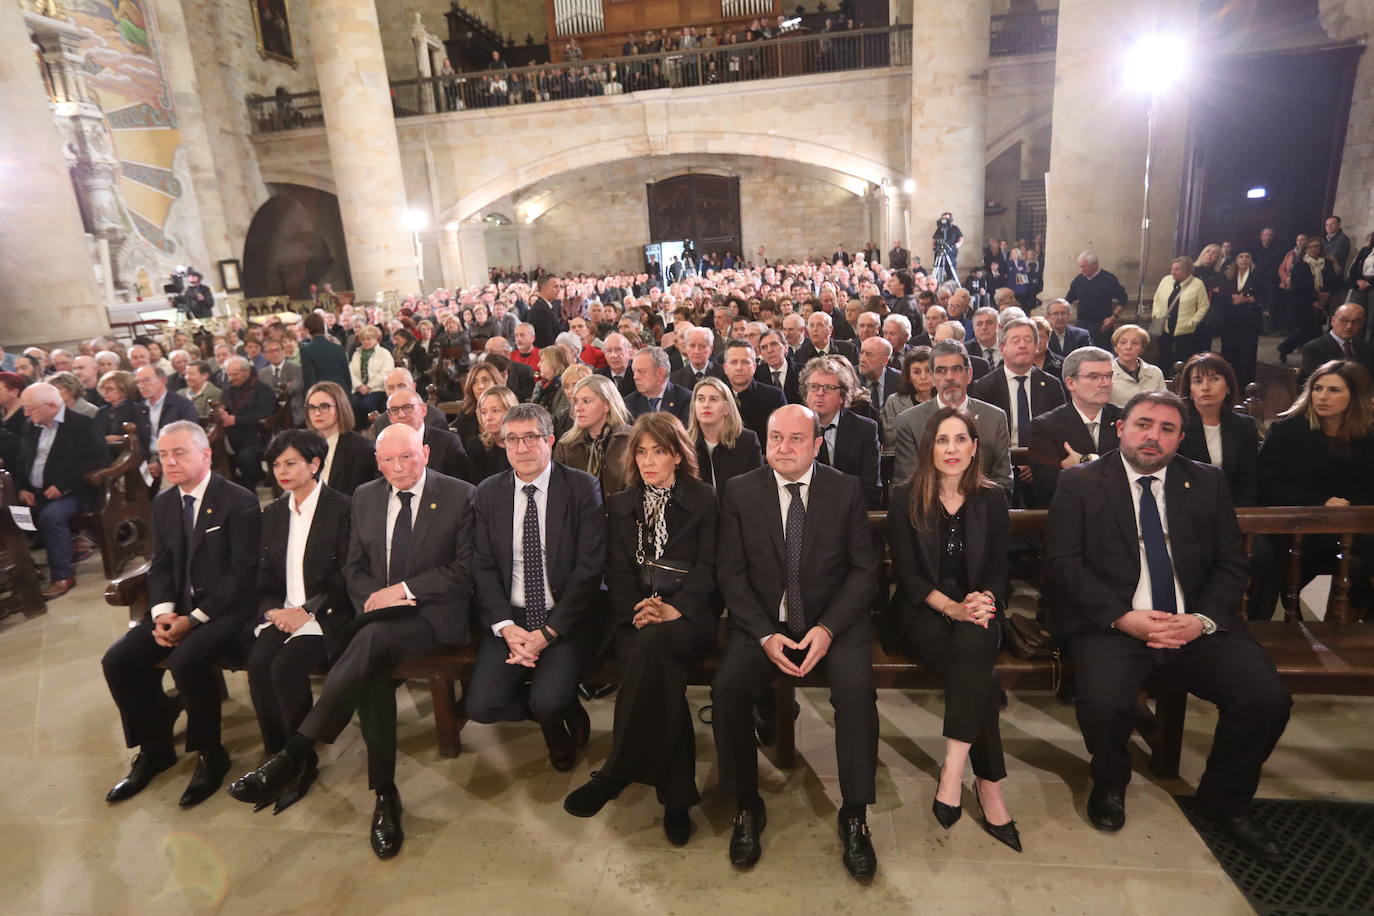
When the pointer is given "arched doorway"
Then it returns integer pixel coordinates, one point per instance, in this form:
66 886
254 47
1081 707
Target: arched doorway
295 239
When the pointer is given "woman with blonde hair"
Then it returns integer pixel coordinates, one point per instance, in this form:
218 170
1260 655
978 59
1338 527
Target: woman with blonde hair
1131 374
368 368
120 407
548 391
486 450
725 448
482 377
599 437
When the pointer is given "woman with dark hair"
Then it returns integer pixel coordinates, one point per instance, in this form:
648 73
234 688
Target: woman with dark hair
485 449
1312 280
1320 452
916 387
660 573
349 460
947 528
407 354
303 600
482 377
1214 433
724 447
11 411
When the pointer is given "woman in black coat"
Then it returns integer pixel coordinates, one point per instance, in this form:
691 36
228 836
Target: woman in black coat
947 529
486 453
1214 433
724 447
1360 279
296 632
1312 280
664 621
350 460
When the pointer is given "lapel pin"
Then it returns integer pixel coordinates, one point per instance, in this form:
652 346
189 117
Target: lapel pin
1187 485
209 511
434 505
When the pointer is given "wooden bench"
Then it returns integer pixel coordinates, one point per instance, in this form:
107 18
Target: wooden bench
120 522
20 588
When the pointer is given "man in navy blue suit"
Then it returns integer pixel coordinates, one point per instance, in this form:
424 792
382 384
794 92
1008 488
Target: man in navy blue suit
1065 337
653 391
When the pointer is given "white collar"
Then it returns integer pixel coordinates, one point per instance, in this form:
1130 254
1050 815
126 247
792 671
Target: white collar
419 487
1134 473
1012 376
307 507
541 483
199 492
1084 417
805 479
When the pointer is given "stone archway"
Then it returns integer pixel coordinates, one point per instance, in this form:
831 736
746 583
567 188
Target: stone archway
295 239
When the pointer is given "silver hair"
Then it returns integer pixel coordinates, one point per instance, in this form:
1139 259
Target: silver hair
1089 256
658 356
901 320
543 422
1010 314
1084 355
1022 322
987 310
197 434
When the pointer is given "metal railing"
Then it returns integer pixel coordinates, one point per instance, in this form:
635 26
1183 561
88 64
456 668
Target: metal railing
796 55
1032 32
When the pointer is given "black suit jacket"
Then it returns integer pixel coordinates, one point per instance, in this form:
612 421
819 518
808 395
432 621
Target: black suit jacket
979 366
692 526
323 360
1239 453
1074 338
541 316
807 351
224 552
676 401
1092 545
1297 468
857 453
720 464
438 568
756 405
574 548
446 452
1044 391
1316 353
1050 431
626 385
78 448
248 403
686 377
354 465
791 388
326 548
916 551
892 380
520 379
839 569
174 407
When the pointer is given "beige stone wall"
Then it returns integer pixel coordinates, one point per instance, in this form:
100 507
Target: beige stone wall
602 230
1347 19
795 216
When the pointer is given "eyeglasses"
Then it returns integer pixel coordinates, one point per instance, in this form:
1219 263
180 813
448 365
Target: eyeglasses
529 440
942 371
323 407
402 410
818 388
1095 378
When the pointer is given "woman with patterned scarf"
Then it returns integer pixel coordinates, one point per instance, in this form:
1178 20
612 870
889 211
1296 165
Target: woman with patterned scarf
660 573
600 434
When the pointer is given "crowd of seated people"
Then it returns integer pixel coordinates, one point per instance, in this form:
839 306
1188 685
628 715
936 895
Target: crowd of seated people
664 437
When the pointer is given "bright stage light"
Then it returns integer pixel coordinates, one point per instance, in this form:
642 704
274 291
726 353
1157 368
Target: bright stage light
909 185
416 220
1155 62
1257 194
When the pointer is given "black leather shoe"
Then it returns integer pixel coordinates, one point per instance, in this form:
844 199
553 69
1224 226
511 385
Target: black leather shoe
141 772
856 847
296 791
1252 836
206 781
745 848
589 799
1107 809
579 724
1003 833
266 784
677 825
387 835
945 815
562 750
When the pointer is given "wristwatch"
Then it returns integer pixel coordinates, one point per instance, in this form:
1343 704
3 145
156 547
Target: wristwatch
1087 458
1209 625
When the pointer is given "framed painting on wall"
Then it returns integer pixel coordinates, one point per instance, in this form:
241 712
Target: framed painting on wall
229 276
272 20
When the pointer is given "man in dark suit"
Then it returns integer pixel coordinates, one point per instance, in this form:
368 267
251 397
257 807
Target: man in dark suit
797 568
541 314
897 332
446 452
158 408
776 368
1148 566
322 358
59 448
278 373
876 373
699 345
756 400
849 442
1343 342
820 341
206 533
409 573
519 377
1078 431
954 331
653 391
247 401
617 369
400 379
1021 391
1065 337
538 562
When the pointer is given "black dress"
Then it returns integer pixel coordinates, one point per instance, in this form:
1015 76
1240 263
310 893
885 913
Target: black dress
484 462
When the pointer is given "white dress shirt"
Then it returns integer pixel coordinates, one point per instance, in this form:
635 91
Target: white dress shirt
155 413
1014 417
1213 436
829 436
784 503
301 518
1143 599
393 509
1088 424
517 550
198 496
46 436
333 443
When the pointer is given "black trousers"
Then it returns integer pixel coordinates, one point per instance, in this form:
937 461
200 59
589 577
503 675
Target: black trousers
1304 324
497 692
1240 342
279 682
745 669
964 654
1228 668
135 682
247 461
361 680
653 741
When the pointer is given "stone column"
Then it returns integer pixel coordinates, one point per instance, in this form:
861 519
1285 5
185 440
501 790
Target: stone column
450 257
529 254
949 86
419 37
1094 189
48 290
472 243
363 149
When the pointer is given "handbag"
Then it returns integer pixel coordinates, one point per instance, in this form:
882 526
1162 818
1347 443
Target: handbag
660 578
1027 638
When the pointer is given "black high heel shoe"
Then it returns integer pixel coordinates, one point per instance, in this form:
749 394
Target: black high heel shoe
1003 833
945 815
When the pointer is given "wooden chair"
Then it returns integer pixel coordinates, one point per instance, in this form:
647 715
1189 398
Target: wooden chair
20 588
121 521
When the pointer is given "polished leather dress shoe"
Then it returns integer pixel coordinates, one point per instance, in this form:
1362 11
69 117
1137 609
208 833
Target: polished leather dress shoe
58 588
387 835
562 750
1107 809
745 847
579 724
296 791
856 847
677 825
589 799
1003 833
206 781
1252 836
141 772
266 784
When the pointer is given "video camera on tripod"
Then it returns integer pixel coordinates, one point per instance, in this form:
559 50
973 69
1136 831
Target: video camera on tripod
946 249
175 288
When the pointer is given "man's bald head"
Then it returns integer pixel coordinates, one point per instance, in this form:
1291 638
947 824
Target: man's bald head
498 345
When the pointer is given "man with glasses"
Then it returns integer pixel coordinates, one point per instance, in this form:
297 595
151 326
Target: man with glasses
1079 431
280 372
446 452
949 364
849 442
1343 341
158 408
399 379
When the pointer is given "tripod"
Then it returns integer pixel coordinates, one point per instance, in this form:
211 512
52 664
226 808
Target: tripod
943 269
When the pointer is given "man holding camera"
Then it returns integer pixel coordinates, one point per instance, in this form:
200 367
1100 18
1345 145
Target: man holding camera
200 302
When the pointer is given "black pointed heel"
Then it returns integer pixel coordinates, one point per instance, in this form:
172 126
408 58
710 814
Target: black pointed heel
1003 833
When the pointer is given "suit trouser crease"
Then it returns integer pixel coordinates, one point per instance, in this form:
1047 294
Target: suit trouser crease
496 694
279 682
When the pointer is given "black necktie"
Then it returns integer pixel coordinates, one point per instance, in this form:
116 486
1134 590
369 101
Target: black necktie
536 610
1161 568
824 457
987 355
777 378
1346 350
400 540
1173 307
188 526
874 396
792 537
1023 414
653 404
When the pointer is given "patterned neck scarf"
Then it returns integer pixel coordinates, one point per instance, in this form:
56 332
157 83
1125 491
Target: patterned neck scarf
656 516
597 450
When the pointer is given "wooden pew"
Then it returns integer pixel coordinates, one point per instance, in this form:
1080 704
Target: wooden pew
20 588
121 522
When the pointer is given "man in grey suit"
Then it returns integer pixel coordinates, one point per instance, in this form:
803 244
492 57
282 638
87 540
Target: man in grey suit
949 363
279 372
409 570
